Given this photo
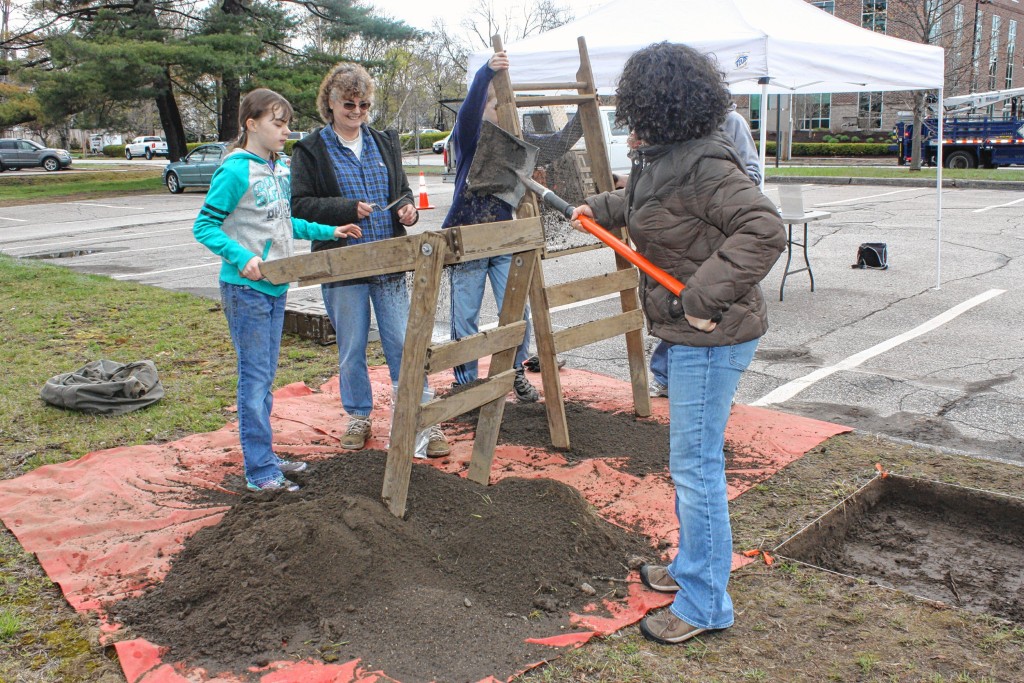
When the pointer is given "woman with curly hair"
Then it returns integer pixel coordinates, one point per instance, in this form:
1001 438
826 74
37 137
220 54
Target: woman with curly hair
692 210
345 172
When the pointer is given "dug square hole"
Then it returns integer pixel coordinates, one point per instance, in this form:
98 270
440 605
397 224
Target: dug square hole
959 546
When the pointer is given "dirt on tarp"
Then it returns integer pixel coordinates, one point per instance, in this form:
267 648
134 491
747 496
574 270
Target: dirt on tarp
641 443
450 593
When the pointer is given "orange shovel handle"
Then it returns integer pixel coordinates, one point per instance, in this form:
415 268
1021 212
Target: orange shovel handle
625 251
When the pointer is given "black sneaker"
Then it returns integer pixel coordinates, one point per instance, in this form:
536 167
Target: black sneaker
533 363
525 391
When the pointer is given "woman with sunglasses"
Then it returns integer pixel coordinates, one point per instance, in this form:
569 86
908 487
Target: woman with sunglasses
348 169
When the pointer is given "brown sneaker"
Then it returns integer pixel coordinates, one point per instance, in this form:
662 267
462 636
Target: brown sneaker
668 629
437 446
356 434
657 578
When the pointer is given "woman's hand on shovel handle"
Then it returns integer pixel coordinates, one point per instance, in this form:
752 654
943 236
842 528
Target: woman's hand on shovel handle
581 210
498 61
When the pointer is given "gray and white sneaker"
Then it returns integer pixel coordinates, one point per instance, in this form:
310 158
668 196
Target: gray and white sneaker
657 390
291 466
279 484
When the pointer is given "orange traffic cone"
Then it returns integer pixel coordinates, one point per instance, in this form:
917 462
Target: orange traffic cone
424 201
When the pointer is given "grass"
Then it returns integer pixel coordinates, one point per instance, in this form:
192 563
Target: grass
894 172
55 320
30 188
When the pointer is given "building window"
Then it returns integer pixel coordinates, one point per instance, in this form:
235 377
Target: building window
873 15
993 55
829 6
813 111
958 35
869 110
933 15
1011 47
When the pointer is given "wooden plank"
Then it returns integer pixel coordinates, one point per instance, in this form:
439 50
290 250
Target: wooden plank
551 100
554 405
449 354
491 389
550 254
398 254
569 85
592 287
597 330
524 267
426 282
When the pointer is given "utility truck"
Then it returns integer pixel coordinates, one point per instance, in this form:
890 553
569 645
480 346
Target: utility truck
970 141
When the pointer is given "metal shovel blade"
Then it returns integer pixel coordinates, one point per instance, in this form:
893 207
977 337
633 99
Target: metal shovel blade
500 160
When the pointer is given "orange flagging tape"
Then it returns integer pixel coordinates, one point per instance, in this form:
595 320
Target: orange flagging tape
768 559
881 470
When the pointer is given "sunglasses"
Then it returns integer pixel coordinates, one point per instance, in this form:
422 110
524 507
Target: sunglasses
351 106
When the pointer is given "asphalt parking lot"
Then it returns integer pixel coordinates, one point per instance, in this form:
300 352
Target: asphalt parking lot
886 352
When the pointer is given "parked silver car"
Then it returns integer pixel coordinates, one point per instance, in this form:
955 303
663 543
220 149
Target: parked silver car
196 169
16 154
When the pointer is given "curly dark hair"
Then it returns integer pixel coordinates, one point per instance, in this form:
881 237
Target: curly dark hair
670 92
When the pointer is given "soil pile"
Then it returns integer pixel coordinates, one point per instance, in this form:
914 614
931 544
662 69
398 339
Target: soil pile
449 594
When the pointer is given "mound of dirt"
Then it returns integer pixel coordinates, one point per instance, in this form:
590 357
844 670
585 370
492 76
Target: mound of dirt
450 593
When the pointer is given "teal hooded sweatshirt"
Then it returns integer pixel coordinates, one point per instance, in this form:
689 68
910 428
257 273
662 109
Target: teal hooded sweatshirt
248 213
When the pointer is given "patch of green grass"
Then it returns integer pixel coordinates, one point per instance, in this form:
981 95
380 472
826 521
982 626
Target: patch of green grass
56 320
16 189
755 675
10 623
894 172
867 662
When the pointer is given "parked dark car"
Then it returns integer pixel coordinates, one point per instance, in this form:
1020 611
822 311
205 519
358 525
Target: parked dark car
441 144
196 169
16 154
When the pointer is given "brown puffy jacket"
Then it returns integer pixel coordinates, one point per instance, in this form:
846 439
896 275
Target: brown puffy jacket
696 214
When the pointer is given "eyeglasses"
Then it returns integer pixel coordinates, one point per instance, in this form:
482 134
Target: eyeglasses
351 106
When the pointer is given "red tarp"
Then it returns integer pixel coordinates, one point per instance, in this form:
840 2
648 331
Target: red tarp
106 525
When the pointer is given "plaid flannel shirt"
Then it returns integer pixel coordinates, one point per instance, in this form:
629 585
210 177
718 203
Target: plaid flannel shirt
365 179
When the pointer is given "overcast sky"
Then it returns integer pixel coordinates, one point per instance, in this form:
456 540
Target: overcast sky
421 13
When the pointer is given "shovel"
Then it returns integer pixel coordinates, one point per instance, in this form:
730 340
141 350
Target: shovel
501 168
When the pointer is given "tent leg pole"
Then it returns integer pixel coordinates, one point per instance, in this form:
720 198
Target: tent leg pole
762 126
938 195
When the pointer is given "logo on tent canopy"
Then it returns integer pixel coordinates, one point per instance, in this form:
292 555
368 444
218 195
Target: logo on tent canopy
741 60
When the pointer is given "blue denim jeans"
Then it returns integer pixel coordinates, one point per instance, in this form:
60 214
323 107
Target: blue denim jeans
468 280
256 321
702 382
659 363
348 306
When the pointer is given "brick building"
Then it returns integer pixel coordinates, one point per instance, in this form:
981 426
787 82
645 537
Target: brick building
983 52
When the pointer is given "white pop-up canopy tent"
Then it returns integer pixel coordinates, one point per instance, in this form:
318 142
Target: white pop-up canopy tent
762 46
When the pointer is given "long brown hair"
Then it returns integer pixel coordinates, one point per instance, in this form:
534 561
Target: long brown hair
255 105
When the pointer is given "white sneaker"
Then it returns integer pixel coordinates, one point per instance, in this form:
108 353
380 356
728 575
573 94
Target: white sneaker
657 390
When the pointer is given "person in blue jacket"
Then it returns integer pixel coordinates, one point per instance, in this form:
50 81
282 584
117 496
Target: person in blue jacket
468 208
246 220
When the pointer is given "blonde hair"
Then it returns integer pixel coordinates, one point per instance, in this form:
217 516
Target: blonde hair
346 81
258 103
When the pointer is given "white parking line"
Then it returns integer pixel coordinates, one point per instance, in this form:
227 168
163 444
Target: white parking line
791 389
999 206
870 196
20 220
129 276
104 206
116 238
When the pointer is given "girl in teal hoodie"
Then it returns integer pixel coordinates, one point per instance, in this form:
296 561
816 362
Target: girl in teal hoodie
247 219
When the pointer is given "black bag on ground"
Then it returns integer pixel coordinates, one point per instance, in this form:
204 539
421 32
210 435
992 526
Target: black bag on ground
872 255
106 388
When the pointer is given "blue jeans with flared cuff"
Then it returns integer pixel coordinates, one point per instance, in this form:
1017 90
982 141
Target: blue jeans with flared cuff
256 321
468 282
702 383
348 307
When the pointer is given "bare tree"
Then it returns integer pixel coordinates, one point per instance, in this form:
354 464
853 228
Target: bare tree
484 21
935 22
